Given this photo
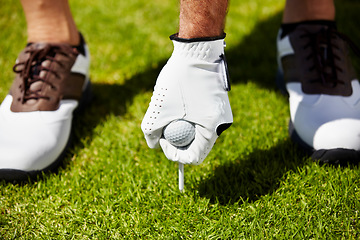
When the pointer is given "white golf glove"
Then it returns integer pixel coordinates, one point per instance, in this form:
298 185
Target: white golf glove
192 86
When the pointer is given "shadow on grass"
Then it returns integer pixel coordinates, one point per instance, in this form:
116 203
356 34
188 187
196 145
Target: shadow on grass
110 99
252 176
254 59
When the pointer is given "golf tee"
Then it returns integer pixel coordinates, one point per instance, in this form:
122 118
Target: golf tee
181 177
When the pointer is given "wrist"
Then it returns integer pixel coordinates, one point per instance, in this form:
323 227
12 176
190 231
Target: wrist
176 37
205 48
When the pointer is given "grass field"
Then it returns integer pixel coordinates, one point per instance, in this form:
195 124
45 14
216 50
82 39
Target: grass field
255 184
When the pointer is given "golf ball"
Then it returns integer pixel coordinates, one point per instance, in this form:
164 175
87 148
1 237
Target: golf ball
179 133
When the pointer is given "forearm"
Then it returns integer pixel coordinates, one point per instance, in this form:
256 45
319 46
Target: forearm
202 18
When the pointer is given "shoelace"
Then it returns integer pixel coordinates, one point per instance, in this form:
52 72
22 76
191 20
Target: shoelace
30 69
323 44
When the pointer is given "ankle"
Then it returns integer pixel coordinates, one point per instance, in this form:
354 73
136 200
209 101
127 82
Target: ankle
53 35
50 21
308 10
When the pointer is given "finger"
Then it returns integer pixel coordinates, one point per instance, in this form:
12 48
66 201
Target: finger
196 152
152 139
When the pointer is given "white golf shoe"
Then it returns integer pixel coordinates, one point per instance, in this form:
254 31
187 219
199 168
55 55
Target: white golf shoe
324 92
51 83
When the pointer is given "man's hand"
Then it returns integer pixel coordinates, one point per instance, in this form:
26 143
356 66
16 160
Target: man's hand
192 86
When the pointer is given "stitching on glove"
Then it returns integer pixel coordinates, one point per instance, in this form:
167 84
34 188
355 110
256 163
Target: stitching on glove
196 50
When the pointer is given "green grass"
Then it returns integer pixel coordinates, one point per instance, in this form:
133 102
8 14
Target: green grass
255 184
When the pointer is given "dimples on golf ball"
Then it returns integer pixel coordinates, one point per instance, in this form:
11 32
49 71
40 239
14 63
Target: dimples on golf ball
179 133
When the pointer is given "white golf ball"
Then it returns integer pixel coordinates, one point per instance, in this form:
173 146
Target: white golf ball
179 133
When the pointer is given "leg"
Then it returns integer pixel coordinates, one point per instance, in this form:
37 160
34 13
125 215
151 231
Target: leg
305 10
50 21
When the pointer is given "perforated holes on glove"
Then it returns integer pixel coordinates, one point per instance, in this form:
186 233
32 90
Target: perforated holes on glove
156 107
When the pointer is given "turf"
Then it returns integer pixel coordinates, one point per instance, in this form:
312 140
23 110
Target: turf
255 184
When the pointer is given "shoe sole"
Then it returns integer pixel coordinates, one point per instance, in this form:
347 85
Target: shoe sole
18 176
336 156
